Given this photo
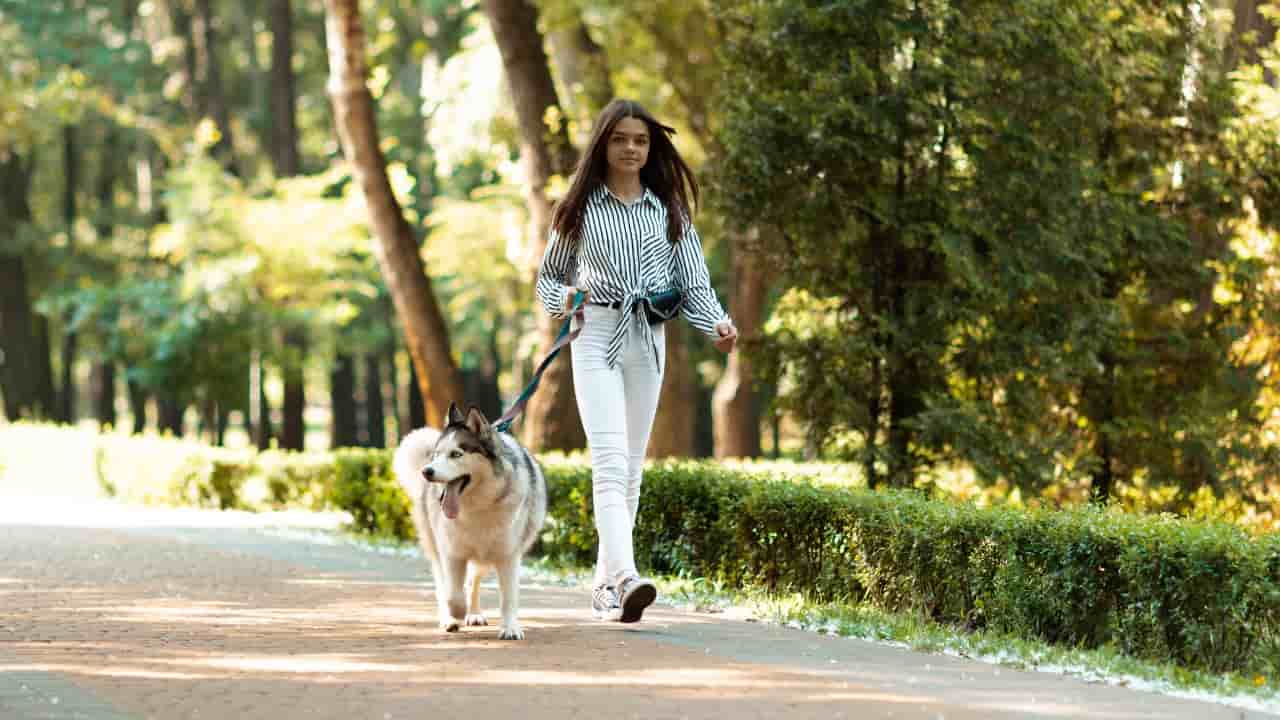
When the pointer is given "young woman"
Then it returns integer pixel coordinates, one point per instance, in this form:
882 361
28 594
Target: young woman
622 233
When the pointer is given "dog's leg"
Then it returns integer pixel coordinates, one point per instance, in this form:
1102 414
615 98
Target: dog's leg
475 616
447 623
454 601
448 574
509 586
440 578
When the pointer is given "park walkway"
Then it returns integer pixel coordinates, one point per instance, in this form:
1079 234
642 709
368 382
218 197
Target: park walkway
113 613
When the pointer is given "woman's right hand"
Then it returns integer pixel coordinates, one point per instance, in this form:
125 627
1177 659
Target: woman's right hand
570 295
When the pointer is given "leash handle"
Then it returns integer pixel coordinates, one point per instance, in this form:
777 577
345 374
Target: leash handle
503 424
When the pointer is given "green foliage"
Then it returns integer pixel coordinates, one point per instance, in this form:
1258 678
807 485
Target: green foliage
1014 237
364 486
176 472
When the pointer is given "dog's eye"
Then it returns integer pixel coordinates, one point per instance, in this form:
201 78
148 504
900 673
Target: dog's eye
455 454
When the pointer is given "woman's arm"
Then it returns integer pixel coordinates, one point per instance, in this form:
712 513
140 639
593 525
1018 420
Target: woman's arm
556 275
701 307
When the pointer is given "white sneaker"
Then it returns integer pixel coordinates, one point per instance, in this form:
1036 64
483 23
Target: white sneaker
634 595
604 603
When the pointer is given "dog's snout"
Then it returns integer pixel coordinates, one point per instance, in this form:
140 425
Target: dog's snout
429 472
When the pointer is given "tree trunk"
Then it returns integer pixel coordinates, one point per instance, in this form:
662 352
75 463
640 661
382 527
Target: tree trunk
735 407
293 424
905 377
1251 31
223 420
1099 403
70 341
211 101
342 394
906 402
17 341
551 418
426 334
875 411
102 374
704 441
102 384
482 392
169 414
375 417
417 410
284 125
256 79
182 28
17 337
263 431
673 427
137 406
208 430
24 334
394 410
43 364
583 70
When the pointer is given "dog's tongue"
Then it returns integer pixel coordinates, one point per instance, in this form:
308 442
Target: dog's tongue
452 500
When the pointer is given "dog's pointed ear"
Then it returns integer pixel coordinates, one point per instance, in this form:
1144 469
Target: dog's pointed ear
479 424
455 416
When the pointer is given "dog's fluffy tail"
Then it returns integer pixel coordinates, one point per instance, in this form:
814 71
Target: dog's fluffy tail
411 456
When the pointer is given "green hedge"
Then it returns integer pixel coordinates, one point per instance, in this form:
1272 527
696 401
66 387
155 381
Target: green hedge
1202 595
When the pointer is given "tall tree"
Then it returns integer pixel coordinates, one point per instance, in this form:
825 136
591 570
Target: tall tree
673 426
396 247
102 374
375 417
20 362
426 35
735 403
285 154
342 383
211 97
287 161
581 65
70 338
551 420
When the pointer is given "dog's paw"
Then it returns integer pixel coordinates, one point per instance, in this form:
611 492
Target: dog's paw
475 619
511 632
449 625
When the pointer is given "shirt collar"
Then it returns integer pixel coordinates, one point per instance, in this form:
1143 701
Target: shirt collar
602 193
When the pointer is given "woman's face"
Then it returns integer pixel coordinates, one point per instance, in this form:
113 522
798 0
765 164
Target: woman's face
628 146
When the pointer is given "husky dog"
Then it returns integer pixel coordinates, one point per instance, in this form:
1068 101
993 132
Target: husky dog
479 501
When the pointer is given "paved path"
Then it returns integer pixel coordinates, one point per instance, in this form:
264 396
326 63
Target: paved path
107 614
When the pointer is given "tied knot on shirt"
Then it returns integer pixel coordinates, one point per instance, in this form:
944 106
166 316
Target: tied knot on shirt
631 311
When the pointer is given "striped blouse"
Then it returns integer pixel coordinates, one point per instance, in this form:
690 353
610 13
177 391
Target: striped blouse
624 255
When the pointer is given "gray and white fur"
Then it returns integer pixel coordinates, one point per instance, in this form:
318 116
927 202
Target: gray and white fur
479 502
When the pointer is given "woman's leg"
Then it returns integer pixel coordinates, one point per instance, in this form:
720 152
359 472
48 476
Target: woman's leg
602 406
642 386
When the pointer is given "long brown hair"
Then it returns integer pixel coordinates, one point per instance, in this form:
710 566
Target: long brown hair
664 172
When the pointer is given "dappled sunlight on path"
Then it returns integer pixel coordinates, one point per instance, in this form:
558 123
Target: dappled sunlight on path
218 620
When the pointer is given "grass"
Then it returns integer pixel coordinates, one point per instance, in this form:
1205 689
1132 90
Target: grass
1105 665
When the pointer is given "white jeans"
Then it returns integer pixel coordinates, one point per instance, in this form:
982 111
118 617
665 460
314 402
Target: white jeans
617 407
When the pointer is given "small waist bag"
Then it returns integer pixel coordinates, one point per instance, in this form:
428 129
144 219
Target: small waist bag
661 307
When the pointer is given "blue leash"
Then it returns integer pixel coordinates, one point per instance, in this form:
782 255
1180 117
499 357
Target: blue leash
503 424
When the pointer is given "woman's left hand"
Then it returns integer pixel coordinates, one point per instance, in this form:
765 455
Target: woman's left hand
728 336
